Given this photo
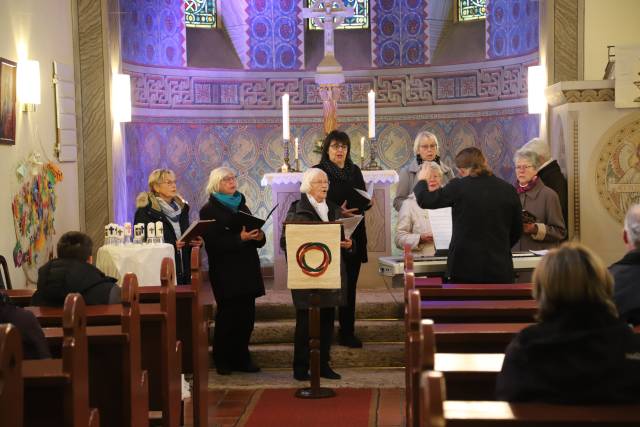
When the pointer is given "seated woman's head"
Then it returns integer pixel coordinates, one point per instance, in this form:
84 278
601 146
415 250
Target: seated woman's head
162 183
222 180
426 146
315 183
571 276
336 147
527 164
434 175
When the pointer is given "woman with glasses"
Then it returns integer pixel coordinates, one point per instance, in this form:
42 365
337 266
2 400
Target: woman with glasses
313 206
234 272
345 177
163 203
426 149
542 222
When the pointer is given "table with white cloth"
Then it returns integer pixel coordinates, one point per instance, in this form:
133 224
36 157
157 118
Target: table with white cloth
142 259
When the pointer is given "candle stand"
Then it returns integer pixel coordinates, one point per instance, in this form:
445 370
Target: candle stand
373 164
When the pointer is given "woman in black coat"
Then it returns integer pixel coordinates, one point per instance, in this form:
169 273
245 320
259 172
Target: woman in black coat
162 203
579 352
487 220
345 177
313 206
234 272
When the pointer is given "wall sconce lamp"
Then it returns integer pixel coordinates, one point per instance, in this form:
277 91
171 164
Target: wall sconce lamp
121 98
537 83
28 84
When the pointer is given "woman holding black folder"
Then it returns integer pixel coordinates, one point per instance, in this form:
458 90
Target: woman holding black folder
234 272
345 177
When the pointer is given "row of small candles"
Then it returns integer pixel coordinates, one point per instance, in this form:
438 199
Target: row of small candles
115 234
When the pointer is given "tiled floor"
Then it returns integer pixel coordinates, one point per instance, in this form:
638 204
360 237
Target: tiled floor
229 408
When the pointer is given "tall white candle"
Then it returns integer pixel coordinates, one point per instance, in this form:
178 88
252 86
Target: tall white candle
372 114
285 116
362 147
296 149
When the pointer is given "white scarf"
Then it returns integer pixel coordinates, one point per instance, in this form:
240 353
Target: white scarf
321 208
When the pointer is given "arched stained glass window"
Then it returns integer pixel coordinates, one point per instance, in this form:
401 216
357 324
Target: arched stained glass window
359 21
201 13
471 10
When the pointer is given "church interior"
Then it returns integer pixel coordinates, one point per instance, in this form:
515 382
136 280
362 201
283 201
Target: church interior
98 95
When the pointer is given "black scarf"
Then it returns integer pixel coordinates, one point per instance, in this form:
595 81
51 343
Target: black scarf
338 174
420 161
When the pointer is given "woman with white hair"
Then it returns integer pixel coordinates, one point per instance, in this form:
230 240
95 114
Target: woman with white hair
543 226
314 206
414 228
426 149
234 272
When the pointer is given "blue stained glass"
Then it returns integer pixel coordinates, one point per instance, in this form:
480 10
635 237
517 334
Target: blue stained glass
359 20
471 10
200 13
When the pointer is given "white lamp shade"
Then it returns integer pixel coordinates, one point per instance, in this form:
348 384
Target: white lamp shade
28 84
537 83
121 98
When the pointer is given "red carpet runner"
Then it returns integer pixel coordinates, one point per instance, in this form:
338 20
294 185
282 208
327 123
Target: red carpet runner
280 408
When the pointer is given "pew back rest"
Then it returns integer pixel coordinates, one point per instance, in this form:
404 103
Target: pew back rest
5 279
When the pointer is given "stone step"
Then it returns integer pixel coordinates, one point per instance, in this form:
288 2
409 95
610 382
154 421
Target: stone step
282 331
371 355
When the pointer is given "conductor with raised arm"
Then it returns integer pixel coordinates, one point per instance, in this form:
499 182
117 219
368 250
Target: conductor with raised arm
486 215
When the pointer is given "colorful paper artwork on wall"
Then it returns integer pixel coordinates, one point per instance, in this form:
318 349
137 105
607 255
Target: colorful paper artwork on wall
33 207
7 102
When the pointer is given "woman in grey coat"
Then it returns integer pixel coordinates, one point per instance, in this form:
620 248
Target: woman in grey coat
542 223
313 206
427 149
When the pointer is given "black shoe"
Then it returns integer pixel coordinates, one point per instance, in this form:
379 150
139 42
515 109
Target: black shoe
350 341
249 367
301 375
329 373
223 370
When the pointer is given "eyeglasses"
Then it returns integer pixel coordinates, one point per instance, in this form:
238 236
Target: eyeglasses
169 182
429 146
230 178
339 146
523 167
320 182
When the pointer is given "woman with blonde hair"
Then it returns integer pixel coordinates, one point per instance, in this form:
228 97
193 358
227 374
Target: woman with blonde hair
579 352
234 272
426 148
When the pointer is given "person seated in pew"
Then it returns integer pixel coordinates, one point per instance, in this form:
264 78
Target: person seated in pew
626 271
486 218
34 344
163 203
579 352
314 206
543 226
414 228
73 272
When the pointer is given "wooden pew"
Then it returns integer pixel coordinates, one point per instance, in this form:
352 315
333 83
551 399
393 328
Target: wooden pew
118 386
192 331
475 291
56 391
20 297
475 337
11 384
161 352
436 411
456 311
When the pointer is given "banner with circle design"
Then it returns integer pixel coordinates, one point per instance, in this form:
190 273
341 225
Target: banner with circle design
313 256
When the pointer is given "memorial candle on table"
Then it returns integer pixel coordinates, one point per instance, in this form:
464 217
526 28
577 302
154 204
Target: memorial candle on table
372 114
285 116
296 149
362 148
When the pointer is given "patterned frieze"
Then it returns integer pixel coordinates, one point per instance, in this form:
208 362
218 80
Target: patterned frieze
176 89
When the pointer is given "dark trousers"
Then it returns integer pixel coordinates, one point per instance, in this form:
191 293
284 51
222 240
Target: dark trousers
234 324
347 313
301 343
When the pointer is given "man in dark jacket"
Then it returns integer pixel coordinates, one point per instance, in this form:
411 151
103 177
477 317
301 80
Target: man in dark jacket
73 272
626 272
487 220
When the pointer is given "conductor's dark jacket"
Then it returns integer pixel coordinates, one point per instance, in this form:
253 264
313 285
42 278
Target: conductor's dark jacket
487 222
234 265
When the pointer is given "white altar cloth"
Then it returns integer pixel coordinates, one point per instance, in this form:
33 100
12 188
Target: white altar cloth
143 260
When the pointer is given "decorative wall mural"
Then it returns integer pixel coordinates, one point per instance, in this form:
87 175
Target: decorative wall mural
618 168
512 27
254 147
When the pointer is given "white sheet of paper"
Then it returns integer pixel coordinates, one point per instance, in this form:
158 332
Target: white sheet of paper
441 227
366 194
350 224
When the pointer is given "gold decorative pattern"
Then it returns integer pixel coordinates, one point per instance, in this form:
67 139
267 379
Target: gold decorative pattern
589 95
576 181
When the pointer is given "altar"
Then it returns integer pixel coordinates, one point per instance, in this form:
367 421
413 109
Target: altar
285 189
